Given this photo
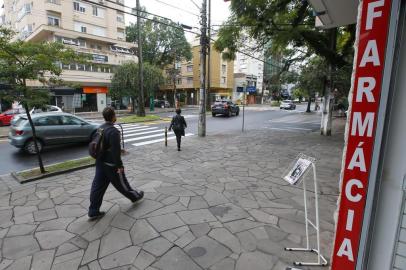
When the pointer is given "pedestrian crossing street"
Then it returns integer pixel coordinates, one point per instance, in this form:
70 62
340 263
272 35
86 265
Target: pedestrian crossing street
140 134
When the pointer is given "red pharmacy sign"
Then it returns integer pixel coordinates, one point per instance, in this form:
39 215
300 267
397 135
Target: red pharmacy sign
373 34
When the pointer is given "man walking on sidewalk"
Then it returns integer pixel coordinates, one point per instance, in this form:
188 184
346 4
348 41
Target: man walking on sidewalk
109 168
178 125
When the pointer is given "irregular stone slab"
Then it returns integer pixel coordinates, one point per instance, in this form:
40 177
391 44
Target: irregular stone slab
102 225
263 217
275 234
80 225
255 260
120 258
70 210
247 240
185 239
176 259
200 229
43 260
206 251
225 264
27 218
176 191
60 223
142 232
241 225
5 263
5 216
292 227
52 239
94 265
226 238
150 186
197 202
44 215
114 241
157 246
91 252
143 260
21 264
66 248
143 208
21 229
19 246
165 222
214 198
196 216
23 210
122 221
228 212
184 201
68 262
176 207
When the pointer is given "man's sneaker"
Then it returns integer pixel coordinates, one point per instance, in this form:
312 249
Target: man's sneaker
140 196
96 216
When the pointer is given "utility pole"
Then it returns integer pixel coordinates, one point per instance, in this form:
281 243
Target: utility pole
175 100
141 101
202 101
208 57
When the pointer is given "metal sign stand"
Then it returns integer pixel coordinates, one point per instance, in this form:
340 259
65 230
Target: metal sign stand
321 261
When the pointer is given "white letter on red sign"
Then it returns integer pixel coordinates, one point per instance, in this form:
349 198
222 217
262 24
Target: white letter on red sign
365 86
346 249
358 125
370 54
371 14
358 159
350 220
348 190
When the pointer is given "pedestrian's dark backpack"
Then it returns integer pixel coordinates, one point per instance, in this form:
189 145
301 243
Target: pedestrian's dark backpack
177 123
96 146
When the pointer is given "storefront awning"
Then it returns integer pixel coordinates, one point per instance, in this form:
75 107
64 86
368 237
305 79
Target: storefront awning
95 90
334 13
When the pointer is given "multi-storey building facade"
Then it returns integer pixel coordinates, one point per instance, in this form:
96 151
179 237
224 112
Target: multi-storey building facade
188 79
87 28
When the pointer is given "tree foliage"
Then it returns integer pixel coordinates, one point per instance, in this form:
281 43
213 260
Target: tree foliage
286 24
125 80
161 41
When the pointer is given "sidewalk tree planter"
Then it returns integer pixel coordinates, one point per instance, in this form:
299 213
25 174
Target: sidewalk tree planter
27 61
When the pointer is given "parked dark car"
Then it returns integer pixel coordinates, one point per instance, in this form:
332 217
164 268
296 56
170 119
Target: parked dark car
51 129
287 105
161 103
224 107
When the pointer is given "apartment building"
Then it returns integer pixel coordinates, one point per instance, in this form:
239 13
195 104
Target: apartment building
188 79
87 28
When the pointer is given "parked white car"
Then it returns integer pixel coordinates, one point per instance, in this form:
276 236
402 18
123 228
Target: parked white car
46 108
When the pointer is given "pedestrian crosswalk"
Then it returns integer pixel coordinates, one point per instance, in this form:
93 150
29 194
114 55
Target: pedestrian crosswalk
139 134
295 123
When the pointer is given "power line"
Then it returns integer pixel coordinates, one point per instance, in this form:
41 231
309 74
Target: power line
198 7
178 8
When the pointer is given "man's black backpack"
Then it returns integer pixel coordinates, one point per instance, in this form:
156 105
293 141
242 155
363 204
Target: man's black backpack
178 123
96 146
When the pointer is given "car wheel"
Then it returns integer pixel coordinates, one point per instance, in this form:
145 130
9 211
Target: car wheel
213 114
1 124
229 114
29 147
237 113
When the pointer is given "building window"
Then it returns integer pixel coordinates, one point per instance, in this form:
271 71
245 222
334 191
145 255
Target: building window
99 47
81 67
189 68
82 43
223 68
189 80
83 29
78 7
120 17
98 12
99 31
179 81
120 34
223 79
54 21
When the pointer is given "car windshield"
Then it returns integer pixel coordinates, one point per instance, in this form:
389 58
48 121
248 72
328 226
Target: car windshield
21 121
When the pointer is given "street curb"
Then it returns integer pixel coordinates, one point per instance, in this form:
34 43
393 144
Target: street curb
46 175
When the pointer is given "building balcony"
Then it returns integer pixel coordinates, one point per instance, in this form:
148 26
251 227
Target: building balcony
53 5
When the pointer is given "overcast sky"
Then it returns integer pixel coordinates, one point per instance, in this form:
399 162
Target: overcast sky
180 11
184 11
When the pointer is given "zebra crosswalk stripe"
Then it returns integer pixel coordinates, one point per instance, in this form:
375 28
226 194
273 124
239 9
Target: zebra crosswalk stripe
132 134
160 140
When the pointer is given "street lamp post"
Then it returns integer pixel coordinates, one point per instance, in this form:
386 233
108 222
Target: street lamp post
243 105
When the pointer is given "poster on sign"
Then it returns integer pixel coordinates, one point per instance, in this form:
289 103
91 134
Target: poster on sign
297 171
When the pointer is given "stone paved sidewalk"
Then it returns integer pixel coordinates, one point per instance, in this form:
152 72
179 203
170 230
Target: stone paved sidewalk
220 204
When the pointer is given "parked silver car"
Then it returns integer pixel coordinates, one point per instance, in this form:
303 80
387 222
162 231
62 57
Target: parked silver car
51 129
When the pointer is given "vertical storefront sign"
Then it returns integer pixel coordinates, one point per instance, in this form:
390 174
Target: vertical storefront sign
373 34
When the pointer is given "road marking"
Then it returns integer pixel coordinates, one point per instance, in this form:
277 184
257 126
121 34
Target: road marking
146 137
132 134
127 130
3 140
289 129
160 140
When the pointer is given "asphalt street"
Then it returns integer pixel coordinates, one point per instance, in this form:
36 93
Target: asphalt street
256 118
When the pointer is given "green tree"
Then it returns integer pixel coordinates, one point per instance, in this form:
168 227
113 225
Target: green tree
21 62
163 43
125 81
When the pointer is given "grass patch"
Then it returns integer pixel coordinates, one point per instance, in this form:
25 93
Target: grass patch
136 119
66 165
